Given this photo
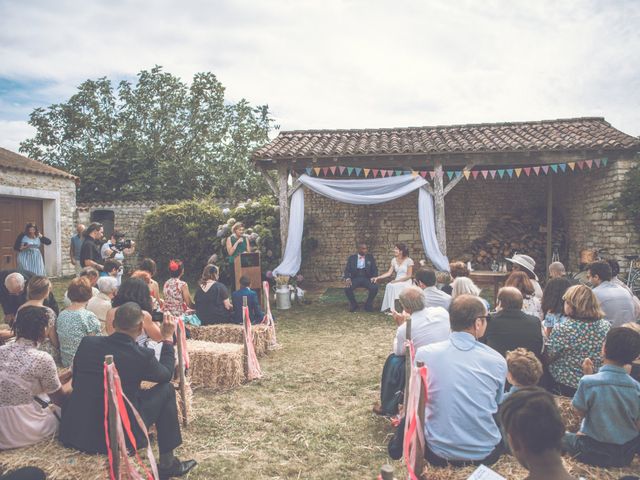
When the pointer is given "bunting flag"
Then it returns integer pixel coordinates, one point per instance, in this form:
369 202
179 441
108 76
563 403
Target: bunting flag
500 173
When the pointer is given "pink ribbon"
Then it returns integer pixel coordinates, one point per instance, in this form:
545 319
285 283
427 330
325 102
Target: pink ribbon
182 338
253 367
414 442
268 318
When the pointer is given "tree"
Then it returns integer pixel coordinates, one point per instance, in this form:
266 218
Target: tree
159 139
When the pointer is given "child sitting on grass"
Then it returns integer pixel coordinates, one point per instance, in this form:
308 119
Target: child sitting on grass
523 370
609 435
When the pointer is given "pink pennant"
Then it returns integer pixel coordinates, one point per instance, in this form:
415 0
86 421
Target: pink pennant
536 170
526 170
545 169
423 174
475 174
375 172
341 170
325 171
597 161
492 173
484 173
589 163
580 164
333 170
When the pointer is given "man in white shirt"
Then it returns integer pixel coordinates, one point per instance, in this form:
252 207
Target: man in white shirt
615 302
433 296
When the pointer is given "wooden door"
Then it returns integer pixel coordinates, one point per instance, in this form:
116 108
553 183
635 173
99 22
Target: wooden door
15 213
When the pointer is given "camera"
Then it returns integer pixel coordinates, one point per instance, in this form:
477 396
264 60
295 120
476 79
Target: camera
157 316
122 244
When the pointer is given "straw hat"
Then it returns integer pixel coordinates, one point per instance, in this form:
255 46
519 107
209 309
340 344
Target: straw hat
525 261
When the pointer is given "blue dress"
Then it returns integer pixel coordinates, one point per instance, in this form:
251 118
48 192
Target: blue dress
30 259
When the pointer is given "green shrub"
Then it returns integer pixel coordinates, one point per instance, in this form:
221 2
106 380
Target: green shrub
629 201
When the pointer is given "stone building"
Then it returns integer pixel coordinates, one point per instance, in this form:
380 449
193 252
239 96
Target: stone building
452 157
33 192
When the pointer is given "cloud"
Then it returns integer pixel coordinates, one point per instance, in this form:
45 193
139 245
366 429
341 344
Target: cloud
344 64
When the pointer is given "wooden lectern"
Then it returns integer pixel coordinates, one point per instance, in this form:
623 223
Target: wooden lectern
248 264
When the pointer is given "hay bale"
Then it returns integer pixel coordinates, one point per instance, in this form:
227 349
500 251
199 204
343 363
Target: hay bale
569 417
58 462
188 393
215 365
228 333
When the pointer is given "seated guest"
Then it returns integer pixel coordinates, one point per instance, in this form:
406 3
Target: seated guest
402 266
616 302
177 297
76 322
552 304
28 373
137 291
510 328
534 430
609 435
38 290
13 294
465 286
212 298
428 325
255 312
524 370
580 336
466 383
456 269
530 303
361 268
101 303
615 271
92 275
148 265
111 268
82 424
433 297
526 264
635 365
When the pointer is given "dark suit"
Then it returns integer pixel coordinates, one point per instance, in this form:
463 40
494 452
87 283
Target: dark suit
361 278
82 424
255 312
511 329
11 303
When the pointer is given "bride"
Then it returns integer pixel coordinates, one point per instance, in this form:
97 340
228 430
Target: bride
403 266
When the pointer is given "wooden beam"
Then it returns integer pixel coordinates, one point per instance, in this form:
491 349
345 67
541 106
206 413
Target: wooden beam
456 180
438 200
283 202
268 178
549 218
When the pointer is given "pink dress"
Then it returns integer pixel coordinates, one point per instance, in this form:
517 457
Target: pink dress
173 301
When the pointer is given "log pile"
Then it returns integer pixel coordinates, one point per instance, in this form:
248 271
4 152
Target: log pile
524 232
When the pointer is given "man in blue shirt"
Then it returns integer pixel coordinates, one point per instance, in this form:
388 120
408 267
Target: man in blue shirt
75 245
609 401
465 383
255 312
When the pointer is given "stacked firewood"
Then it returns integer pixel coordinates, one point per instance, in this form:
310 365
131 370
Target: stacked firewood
524 233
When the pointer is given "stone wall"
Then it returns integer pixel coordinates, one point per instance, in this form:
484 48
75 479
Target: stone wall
58 195
581 199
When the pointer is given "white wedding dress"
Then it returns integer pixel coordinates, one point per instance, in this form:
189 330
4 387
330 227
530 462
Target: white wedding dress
392 290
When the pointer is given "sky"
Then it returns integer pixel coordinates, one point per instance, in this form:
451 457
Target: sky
337 63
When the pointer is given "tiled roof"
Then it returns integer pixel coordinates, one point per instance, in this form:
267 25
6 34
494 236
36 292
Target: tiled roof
541 136
15 161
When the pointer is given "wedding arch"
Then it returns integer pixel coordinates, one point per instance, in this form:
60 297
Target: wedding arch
361 192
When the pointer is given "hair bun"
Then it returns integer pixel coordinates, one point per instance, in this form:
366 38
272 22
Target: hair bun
174 265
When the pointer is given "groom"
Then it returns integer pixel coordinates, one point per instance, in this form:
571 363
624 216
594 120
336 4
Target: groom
361 267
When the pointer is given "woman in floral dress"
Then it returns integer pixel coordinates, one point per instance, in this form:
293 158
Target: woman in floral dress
176 291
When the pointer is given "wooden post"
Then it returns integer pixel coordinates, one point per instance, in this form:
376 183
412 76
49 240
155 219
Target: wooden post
407 362
386 472
181 376
549 250
283 202
419 466
438 201
245 340
113 425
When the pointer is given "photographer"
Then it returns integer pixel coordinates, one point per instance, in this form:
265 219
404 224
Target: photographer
116 248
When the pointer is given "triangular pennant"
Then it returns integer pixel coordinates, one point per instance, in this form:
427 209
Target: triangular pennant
536 170
423 174
554 167
484 173
492 173
358 170
366 172
458 174
325 171
450 174
527 171
466 174
500 172
563 167
580 164
571 165
518 172
589 163
406 172
510 172
308 170
349 171
545 169
475 174
375 172
398 173
605 160
317 170
332 170
341 170
597 162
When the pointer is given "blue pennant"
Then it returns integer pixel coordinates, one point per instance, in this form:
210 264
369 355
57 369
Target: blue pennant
450 174
358 170
554 167
563 167
510 172
308 171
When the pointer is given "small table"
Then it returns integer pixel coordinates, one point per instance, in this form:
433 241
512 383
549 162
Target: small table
487 278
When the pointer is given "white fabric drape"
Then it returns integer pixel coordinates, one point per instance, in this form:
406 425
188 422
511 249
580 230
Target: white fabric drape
361 192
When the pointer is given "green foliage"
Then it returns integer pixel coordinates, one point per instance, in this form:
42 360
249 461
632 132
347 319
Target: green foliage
159 139
629 201
189 231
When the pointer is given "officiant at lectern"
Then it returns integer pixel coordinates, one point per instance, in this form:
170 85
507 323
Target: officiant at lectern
237 244
361 267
